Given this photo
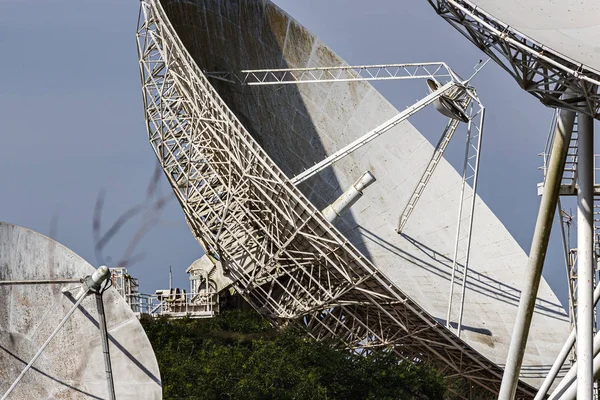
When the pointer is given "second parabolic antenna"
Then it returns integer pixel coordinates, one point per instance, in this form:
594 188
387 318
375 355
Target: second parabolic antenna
39 281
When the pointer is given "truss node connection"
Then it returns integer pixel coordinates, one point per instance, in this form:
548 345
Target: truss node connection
283 256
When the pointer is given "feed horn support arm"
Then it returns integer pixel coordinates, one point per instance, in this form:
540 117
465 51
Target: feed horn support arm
369 136
345 73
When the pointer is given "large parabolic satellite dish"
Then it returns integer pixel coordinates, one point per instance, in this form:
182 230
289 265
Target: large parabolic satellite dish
229 150
551 49
38 283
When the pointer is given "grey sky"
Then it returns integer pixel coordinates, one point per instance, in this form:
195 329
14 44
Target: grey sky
72 120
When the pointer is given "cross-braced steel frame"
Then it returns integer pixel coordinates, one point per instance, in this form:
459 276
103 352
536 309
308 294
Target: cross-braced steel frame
539 70
284 257
341 73
456 89
464 224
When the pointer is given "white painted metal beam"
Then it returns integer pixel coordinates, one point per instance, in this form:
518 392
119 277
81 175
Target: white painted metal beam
560 360
343 73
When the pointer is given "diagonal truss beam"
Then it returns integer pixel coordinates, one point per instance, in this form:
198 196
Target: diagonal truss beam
375 133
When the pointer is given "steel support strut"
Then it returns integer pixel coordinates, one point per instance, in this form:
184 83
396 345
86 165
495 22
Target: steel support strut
105 348
567 389
579 381
437 155
369 136
465 214
560 360
585 257
537 255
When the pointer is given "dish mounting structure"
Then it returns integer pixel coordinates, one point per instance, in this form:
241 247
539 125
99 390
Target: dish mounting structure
454 95
541 71
284 257
569 169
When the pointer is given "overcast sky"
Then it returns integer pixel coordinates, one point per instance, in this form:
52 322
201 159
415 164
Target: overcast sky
72 122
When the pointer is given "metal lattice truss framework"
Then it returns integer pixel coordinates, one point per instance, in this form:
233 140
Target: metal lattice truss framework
284 257
456 89
464 225
540 71
343 73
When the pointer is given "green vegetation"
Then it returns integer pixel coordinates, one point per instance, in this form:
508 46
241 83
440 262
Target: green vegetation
238 355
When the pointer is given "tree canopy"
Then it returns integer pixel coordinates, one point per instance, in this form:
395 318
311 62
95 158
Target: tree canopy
239 355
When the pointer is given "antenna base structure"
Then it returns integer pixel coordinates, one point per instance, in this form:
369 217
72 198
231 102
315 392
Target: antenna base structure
564 76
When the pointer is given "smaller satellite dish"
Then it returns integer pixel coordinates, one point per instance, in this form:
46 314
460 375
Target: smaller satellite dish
39 285
447 104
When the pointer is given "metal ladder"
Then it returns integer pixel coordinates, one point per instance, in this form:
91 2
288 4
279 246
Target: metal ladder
569 177
570 172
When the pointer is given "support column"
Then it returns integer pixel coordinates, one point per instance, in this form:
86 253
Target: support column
537 254
105 347
585 257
